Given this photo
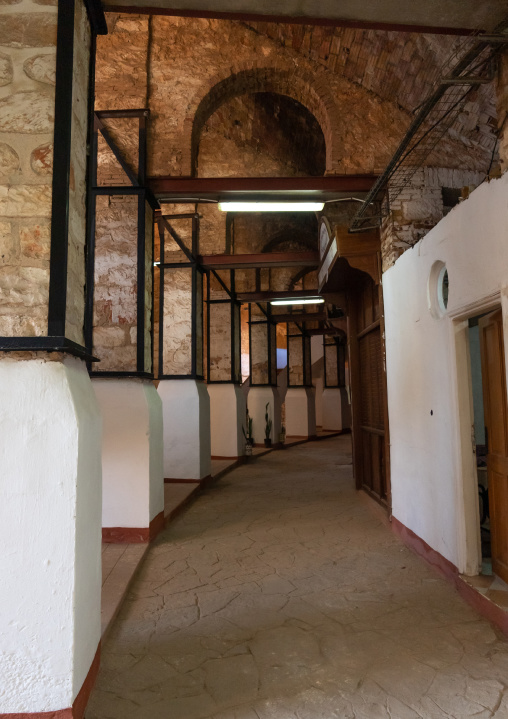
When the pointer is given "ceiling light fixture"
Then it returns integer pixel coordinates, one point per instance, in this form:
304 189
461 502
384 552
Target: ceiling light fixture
299 301
271 206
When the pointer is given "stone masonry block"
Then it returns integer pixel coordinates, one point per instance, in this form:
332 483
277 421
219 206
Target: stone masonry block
27 112
6 69
25 201
28 30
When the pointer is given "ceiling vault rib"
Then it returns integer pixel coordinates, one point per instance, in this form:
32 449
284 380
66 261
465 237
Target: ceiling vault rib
422 138
287 19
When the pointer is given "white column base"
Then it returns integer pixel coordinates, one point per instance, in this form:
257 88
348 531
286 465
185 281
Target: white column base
256 401
336 410
50 534
300 412
186 417
227 417
132 478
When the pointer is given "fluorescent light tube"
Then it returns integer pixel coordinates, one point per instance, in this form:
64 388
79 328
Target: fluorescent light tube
299 301
271 206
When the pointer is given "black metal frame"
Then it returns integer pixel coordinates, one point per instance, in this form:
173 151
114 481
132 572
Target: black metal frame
271 345
235 324
197 297
306 358
340 350
56 341
144 195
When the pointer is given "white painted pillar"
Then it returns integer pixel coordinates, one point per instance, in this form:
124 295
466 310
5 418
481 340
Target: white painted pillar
336 410
256 402
186 417
228 408
132 477
300 412
50 535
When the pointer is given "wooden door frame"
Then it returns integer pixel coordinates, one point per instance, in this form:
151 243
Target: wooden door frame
466 485
354 374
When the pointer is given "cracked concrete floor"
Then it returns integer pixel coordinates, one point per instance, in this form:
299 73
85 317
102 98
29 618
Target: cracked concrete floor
282 594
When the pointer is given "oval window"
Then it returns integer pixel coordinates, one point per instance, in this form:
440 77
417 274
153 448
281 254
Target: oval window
438 290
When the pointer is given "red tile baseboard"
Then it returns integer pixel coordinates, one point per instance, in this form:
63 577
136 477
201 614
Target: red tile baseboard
77 710
418 545
483 605
171 480
133 535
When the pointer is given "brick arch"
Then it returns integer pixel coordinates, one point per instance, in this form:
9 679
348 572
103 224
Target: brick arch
307 243
309 90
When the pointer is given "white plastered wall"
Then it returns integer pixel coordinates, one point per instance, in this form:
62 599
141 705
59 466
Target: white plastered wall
429 397
50 533
335 410
133 482
300 412
227 417
186 418
256 402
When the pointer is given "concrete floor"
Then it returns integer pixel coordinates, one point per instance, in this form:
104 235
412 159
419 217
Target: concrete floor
282 594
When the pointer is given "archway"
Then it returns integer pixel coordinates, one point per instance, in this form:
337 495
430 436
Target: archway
302 88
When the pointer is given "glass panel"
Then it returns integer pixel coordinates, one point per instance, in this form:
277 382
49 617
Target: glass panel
237 373
295 361
273 353
332 378
115 298
220 342
259 353
148 286
177 321
199 323
307 362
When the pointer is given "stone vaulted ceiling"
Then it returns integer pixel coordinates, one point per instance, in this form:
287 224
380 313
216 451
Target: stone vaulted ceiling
469 14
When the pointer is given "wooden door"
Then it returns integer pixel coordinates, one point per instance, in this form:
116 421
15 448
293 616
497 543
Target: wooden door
496 423
368 382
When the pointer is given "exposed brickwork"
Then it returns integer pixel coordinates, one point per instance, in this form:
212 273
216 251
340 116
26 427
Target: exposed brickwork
418 208
261 133
225 99
502 110
398 67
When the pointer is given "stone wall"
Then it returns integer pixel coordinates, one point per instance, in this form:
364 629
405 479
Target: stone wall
77 190
418 208
27 97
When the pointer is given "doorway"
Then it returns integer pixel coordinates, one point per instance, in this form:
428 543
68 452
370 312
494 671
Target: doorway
490 443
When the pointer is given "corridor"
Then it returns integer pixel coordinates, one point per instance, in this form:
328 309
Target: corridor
281 593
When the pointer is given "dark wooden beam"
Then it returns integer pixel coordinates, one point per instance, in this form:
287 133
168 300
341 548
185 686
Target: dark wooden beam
299 317
286 19
325 331
263 259
222 187
104 114
267 295
96 15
